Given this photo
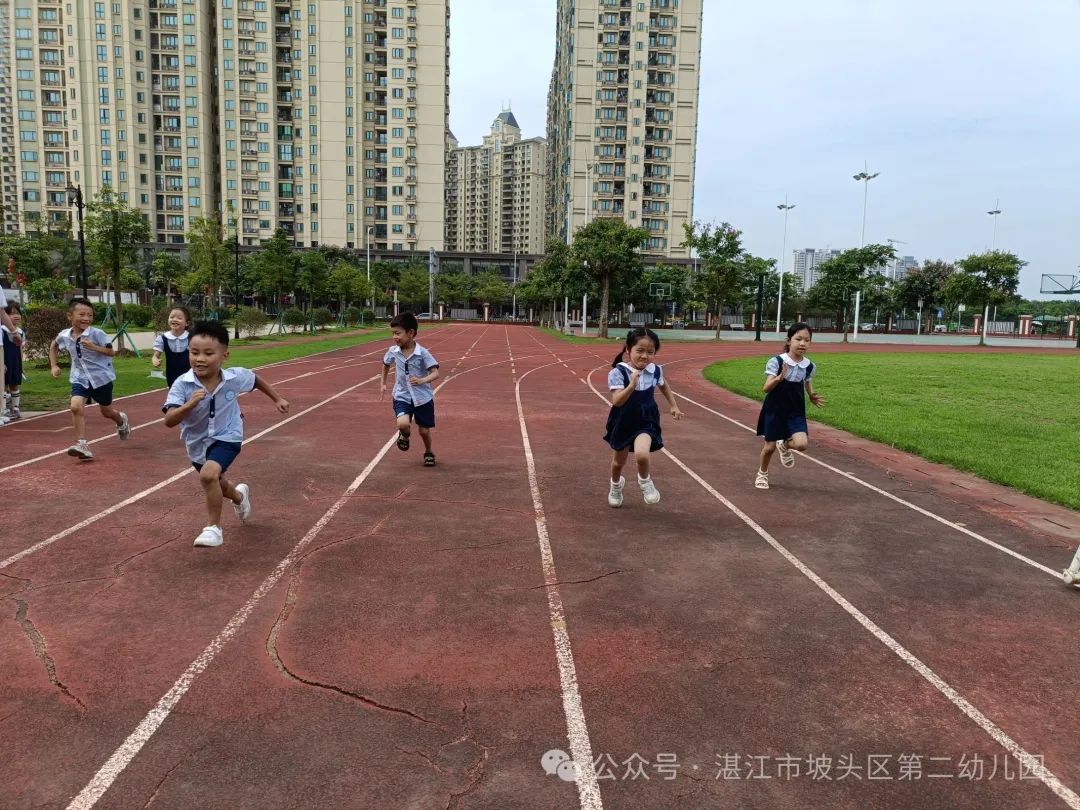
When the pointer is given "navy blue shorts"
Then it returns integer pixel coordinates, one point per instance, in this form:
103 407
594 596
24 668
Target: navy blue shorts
102 395
222 453
423 415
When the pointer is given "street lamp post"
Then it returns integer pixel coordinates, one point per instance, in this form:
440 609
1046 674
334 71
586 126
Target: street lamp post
783 251
995 214
515 285
75 197
236 289
367 239
865 177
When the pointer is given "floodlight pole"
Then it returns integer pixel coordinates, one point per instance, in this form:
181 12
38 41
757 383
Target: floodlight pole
865 177
780 267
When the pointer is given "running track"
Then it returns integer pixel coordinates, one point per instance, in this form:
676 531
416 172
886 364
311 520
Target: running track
385 635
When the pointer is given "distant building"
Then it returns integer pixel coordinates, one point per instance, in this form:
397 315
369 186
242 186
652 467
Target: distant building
806 263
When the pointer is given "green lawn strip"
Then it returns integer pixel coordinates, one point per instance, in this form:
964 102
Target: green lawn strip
1009 418
42 393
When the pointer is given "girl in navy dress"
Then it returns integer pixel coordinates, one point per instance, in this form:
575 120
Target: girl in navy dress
783 414
174 345
13 364
634 421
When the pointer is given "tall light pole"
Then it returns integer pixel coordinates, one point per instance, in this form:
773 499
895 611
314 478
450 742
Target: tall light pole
75 197
995 214
865 177
515 283
371 292
783 252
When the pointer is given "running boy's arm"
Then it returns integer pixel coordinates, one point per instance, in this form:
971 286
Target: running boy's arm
54 360
266 388
669 395
174 414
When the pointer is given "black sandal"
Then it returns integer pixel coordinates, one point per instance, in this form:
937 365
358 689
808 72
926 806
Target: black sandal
429 459
403 440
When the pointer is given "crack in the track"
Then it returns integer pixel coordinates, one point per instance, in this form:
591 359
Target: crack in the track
41 651
168 773
564 582
272 652
475 773
472 548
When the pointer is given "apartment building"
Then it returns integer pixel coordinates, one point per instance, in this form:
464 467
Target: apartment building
328 120
496 192
622 116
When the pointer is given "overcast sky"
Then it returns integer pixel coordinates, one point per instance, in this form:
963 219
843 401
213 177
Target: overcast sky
957 103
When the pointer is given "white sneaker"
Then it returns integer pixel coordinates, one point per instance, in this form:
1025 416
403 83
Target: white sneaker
614 496
210 537
762 480
80 450
787 457
123 430
649 490
1071 577
243 509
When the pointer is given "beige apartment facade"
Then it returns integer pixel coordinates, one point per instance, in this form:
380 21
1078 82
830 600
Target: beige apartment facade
496 192
328 120
622 117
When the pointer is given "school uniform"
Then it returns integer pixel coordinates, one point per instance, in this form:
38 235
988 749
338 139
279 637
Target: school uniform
214 429
415 401
783 413
640 413
13 358
92 373
175 349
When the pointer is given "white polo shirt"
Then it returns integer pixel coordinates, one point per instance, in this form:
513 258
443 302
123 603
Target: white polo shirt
217 418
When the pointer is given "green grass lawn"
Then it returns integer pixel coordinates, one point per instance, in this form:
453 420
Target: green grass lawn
1009 418
42 393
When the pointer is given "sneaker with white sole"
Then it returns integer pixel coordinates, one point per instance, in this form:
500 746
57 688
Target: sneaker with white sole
243 509
787 456
123 430
80 450
762 480
649 490
614 496
1071 577
210 537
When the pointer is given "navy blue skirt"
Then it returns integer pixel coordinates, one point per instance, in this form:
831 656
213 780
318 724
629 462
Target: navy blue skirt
639 415
783 414
13 363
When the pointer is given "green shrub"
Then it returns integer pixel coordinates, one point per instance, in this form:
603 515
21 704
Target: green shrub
323 317
42 324
138 315
352 315
252 321
369 317
295 318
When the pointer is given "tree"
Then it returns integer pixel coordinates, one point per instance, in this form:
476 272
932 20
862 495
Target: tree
927 284
413 286
723 273
960 288
348 282
209 255
167 269
114 231
607 249
841 276
454 287
995 276
677 281
490 288
274 267
312 275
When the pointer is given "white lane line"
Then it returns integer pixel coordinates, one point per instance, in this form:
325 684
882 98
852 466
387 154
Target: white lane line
576 729
129 749
1032 763
897 499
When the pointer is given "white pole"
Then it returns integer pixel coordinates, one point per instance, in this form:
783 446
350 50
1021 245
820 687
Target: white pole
858 297
584 319
783 250
566 314
986 318
515 283
371 293
588 192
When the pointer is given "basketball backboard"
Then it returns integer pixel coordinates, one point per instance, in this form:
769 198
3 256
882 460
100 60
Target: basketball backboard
1059 285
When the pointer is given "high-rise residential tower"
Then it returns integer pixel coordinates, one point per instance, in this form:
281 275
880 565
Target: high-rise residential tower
328 120
622 116
495 192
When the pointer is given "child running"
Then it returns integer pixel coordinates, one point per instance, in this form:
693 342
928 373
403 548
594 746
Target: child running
13 362
634 420
783 414
174 345
414 372
92 373
203 401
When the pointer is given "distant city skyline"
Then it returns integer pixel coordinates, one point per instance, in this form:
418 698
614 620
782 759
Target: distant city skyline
966 104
